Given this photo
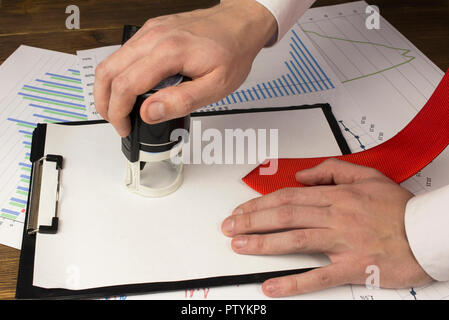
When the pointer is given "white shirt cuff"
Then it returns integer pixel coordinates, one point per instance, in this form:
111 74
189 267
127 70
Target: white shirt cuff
427 228
286 12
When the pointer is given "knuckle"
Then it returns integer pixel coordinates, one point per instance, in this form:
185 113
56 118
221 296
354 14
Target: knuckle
252 205
185 103
130 47
151 22
259 243
287 195
114 117
248 206
102 110
155 32
331 162
245 221
120 85
347 193
171 43
286 215
102 71
324 279
294 285
300 240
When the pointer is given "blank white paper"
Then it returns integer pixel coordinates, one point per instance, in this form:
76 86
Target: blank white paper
109 236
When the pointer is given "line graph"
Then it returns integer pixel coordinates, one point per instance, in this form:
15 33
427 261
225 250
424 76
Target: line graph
348 130
404 53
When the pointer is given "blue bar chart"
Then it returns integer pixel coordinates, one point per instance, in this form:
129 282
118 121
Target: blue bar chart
299 72
53 98
42 86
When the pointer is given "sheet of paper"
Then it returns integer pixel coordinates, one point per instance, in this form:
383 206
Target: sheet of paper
36 85
109 236
386 75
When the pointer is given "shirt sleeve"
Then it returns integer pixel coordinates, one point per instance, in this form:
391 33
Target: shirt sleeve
427 228
286 13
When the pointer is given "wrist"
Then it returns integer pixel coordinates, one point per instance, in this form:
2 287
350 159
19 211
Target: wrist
251 22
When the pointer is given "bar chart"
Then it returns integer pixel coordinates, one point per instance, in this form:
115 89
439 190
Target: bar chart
293 67
49 91
47 110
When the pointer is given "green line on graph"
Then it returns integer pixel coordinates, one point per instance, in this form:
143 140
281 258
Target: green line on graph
64 88
25 125
53 94
55 103
65 114
17 204
8 216
63 79
404 53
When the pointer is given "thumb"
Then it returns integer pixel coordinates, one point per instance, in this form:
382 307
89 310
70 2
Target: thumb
180 100
334 171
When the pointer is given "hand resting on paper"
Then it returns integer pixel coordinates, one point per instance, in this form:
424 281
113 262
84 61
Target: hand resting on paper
353 214
215 47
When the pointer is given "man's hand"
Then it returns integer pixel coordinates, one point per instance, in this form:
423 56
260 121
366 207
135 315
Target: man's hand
355 216
215 47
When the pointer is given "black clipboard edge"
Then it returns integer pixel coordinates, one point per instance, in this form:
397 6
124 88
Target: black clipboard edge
26 290
325 107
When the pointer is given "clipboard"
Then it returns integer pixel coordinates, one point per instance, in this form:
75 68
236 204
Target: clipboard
25 288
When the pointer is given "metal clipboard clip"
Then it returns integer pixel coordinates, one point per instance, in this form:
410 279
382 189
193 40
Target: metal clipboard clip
35 203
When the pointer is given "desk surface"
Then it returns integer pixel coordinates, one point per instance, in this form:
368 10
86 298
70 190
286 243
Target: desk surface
42 25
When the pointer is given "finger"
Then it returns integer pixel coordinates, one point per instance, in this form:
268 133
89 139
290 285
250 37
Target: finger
182 99
318 279
295 241
102 92
275 219
313 196
112 66
333 171
141 76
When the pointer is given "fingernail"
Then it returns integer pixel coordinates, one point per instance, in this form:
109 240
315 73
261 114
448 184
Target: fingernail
237 211
228 225
156 111
240 242
271 287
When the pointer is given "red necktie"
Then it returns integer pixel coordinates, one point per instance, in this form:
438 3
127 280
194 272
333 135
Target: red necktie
399 158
